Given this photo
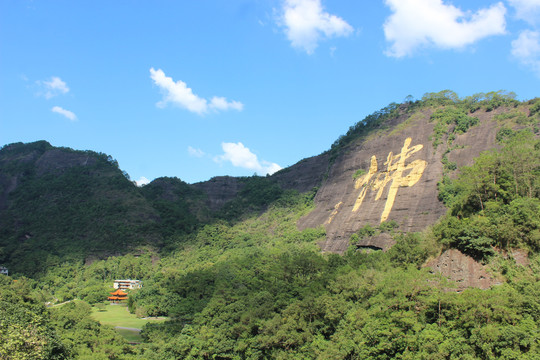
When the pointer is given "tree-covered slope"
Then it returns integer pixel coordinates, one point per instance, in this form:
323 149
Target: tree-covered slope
59 204
261 290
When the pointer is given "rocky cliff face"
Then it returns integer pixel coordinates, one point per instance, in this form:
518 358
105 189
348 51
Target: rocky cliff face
463 271
304 175
392 175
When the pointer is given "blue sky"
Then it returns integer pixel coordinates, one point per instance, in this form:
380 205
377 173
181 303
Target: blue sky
196 89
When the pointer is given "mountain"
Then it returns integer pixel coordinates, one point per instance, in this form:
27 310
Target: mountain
440 185
401 165
59 203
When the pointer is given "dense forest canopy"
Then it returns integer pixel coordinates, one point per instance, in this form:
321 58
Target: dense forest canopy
243 282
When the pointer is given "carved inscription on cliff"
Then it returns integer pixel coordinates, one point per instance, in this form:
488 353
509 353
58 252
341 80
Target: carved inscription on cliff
397 173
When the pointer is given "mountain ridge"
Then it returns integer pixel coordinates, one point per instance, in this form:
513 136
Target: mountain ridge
386 168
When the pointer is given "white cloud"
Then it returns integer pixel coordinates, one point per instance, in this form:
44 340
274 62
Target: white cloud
528 10
195 152
305 22
180 95
270 168
241 156
220 103
417 23
68 114
142 181
53 87
526 48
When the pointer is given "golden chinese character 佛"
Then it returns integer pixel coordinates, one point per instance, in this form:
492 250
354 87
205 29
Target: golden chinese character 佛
393 175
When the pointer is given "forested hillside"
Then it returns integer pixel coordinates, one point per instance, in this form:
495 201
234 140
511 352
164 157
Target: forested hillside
236 263
60 204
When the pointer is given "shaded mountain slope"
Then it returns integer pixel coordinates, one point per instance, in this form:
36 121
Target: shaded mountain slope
60 204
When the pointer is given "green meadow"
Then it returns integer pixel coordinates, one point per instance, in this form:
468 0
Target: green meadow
118 315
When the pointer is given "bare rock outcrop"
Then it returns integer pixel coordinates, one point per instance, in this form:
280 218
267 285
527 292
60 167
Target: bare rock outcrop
463 270
520 256
392 175
344 203
383 241
304 175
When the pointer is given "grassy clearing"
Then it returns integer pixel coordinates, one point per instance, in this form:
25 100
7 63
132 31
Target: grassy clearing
118 315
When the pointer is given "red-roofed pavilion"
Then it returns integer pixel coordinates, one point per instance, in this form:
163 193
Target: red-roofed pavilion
117 296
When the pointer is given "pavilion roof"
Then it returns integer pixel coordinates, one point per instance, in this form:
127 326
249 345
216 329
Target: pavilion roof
119 293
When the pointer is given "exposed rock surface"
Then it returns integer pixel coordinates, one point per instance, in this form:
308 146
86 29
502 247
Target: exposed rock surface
403 189
477 139
383 241
520 256
463 270
304 175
